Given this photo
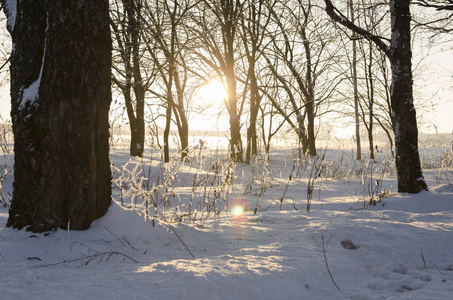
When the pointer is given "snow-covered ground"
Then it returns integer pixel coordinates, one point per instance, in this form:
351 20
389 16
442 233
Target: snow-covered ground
401 248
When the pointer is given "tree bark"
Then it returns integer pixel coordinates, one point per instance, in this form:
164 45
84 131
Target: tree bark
60 94
410 178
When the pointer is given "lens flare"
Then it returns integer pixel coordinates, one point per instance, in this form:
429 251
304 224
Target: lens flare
240 226
237 210
238 207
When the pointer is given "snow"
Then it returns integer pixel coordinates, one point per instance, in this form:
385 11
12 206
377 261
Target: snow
401 248
11 9
31 93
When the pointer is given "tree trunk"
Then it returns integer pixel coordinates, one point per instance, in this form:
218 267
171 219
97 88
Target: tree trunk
410 178
228 10
184 139
235 141
138 133
60 95
167 134
371 106
309 107
254 109
309 89
356 93
137 139
180 114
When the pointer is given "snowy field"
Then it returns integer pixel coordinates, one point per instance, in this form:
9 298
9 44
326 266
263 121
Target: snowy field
209 229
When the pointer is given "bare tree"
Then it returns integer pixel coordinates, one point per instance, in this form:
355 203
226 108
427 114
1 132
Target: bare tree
166 45
216 29
368 11
410 177
128 67
253 33
300 60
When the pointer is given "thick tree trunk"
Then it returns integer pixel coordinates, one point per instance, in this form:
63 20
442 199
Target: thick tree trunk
60 90
410 178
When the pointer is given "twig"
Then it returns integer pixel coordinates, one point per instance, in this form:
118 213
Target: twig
114 235
436 268
287 185
171 227
121 240
177 235
424 262
324 246
34 258
89 258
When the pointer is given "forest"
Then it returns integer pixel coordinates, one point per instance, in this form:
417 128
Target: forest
225 149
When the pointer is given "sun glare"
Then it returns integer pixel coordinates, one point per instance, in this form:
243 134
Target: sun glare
213 92
237 210
238 207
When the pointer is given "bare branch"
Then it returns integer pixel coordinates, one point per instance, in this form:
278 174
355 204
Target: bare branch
337 16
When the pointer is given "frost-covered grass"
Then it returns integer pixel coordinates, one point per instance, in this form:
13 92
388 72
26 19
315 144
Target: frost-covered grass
174 231
208 183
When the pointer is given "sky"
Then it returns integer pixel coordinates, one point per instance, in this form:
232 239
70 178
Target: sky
434 85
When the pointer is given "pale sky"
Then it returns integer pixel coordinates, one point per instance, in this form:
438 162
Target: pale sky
435 85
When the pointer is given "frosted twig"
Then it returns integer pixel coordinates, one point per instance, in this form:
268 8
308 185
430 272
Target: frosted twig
324 246
89 258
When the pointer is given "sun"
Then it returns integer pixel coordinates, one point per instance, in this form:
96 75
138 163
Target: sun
213 92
